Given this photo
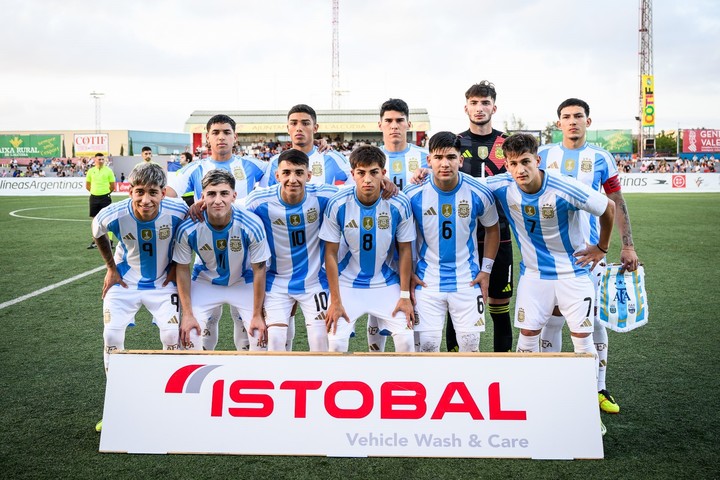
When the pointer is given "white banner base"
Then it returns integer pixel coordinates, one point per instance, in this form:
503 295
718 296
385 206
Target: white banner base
541 406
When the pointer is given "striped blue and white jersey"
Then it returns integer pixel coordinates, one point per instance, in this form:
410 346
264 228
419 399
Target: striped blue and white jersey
589 164
548 225
297 253
144 249
331 168
447 224
369 234
401 165
223 257
248 171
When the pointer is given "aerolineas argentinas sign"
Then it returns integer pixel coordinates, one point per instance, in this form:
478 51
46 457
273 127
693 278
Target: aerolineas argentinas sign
359 405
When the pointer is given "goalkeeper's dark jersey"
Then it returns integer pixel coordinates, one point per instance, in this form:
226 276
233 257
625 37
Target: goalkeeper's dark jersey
483 157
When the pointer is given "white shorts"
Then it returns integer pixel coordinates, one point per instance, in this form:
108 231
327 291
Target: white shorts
536 298
121 304
466 308
206 298
379 302
279 305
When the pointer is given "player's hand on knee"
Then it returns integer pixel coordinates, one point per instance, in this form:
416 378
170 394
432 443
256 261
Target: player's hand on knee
187 325
257 324
405 305
334 313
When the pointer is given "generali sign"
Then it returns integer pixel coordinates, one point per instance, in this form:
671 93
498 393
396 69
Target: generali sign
444 405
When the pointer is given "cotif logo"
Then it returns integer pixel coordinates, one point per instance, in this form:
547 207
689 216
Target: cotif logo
396 400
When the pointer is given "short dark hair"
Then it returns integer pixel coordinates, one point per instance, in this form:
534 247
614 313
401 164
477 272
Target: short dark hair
395 105
146 149
482 89
366 155
574 102
444 140
302 108
295 157
188 156
99 154
520 143
218 176
220 118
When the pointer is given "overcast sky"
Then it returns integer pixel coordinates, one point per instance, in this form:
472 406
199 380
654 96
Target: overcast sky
158 61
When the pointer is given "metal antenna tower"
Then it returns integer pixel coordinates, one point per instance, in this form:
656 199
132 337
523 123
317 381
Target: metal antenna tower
98 97
336 92
647 133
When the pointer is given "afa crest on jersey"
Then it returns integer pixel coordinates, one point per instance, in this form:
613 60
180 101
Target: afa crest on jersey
239 173
464 209
164 232
312 215
383 221
446 210
521 315
413 164
586 165
547 211
499 153
235 244
317 169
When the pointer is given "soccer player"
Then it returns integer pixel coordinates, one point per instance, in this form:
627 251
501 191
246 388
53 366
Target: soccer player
365 280
545 211
403 159
449 207
230 254
325 168
248 171
145 225
596 168
292 211
100 182
186 159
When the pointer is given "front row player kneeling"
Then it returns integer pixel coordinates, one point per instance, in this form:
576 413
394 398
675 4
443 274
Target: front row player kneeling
543 209
140 272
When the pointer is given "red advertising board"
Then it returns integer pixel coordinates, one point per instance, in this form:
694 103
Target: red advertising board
701 141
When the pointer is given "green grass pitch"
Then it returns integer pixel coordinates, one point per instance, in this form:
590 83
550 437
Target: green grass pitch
664 375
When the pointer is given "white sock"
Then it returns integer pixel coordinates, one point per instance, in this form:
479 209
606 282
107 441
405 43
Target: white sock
404 342
585 345
376 342
277 337
290 334
600 339
430 341
114 340
318 337
551 334
468 341
240 335
527 343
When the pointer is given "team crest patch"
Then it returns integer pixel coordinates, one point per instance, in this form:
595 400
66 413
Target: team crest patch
146 234
521 315
586 165
413 164
294 220
464 209
446 210
239 173
317 169
397 166
483 152
499 153
547 211
221 244
384 221
530 211
368 223
311 215
569 164
164 232
235 244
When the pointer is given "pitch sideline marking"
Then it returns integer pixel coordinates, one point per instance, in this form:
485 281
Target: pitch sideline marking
50 287
15 214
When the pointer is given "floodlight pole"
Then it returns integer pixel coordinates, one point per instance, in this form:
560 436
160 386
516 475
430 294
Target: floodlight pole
98 97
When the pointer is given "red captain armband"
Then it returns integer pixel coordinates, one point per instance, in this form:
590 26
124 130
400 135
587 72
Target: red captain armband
612 185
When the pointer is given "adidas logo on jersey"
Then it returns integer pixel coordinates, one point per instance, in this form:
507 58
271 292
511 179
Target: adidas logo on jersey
173 320
430 211
467 154
205 248
129 236
553 166
321 316
351 224
279 221
586 323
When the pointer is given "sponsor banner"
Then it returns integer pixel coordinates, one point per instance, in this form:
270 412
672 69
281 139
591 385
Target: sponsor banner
614 141
88 144
701 141
24 146
647 93
670 182
358 405
36 186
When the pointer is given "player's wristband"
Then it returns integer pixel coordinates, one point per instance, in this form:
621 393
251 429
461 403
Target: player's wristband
487 265
404 294
600 248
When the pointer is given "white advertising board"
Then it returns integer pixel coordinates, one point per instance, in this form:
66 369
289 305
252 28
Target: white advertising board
670 182
37 186
540 406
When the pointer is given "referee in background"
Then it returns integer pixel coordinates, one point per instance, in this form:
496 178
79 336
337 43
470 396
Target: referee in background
100 182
